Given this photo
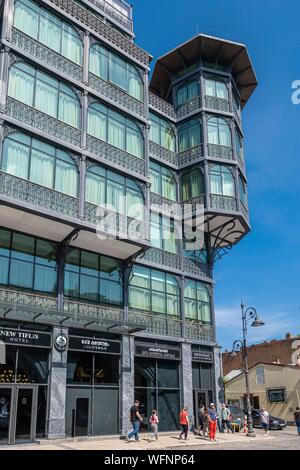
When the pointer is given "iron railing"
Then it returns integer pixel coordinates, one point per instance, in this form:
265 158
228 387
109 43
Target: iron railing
220 151
223 203
162 325
162 153
162 106
218 104
111 9
189 107
199 331
189 156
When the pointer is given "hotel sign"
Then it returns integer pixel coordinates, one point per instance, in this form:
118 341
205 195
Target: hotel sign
96 345
203 356
25 338
157 351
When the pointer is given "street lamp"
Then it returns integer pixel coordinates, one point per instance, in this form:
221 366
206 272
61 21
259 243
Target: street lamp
241 346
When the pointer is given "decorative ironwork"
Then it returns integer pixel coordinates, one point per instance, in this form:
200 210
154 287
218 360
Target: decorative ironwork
156 324
189 156
223 203
194 267
189 107
98 313
244 210
224 237
240 162
26 191
163 154
115 155
27 299
162 106
50 57
220 151
94 22
163 258
164 205
192 205
218 104
117 15
42 121
196 330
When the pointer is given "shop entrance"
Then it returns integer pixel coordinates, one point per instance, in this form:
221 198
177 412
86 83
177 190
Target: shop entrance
201 398
18 413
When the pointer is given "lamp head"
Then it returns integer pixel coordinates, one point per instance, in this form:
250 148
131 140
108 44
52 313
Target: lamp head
257 322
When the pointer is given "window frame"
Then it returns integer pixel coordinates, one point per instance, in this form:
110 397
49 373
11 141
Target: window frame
164 126
198 301
220 174
187 126
219 121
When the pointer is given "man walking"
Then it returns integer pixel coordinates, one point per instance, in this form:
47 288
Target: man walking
135 419
265 419
225 415
297 419
212 419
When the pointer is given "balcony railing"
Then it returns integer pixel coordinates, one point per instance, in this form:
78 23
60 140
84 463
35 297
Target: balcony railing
163 325
218 104
42 121
116 224
165 205
199 331
220 151
39 196
189 107
115 8
42 52
194 267
110 35
27 299
223 203
114 155
98 313
162 153
117 95
194 206
162 106
163 258
189 156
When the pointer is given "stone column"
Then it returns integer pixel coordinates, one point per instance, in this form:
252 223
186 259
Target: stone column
127 382
219 385
187 379
8 13
57 389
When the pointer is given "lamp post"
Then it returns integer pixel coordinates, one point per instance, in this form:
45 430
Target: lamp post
241 346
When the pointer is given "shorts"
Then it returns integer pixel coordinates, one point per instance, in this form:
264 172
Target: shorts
265 425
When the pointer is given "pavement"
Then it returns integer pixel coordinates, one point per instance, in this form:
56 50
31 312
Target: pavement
276 440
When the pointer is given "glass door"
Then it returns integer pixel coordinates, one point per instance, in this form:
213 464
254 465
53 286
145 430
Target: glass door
200 399
5 407
25 414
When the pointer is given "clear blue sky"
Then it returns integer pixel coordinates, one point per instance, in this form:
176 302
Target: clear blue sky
264 267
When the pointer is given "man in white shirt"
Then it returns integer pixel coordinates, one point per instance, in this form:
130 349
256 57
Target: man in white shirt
264 419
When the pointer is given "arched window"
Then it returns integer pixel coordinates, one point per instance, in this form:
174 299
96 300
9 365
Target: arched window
45 93
189 135
154 291
218 132
221 180
163 181
187 92
216 88
115 192
49 29
197 302
114 128
192 184
112 68
41 163
161 132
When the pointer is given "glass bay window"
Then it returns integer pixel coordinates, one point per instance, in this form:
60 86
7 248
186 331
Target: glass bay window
189 135
216 88
161 132
197 302
187 92
222 181
163 181
218 132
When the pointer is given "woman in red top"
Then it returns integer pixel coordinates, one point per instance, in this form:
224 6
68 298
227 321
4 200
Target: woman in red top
153 420
184 422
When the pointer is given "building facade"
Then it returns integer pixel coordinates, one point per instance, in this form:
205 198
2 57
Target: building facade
97 306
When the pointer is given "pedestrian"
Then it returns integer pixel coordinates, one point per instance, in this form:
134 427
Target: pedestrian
201 419
297 419
212 420
225 417
184 422
153 420
264 420
135 419
206 422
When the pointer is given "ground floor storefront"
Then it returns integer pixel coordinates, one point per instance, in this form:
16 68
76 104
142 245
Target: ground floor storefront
58 382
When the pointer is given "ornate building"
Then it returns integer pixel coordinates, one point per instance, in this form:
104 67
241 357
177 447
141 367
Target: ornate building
97 306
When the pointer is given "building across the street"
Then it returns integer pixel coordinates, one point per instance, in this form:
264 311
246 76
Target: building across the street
102 302
275 387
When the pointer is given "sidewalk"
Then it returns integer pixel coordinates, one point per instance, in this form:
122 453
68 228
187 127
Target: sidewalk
165 442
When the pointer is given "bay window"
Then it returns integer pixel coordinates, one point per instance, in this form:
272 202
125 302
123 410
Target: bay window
161 132
218 132
222 180
187 92
217 89
163 233
197 302
242 189
192 184
163 181
189 135
238 144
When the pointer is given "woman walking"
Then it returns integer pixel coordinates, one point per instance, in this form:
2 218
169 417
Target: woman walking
184 422
153 420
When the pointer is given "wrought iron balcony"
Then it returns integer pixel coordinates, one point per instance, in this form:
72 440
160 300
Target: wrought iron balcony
223 203
189 156
197 330
110 7
163 325
114 155
194 267
42 52
165 206
217 104
116 94
116 224
39 196
189 107
98 313
163 154
108 34
220 151
38 120
194 205
25 299
163 258
161 106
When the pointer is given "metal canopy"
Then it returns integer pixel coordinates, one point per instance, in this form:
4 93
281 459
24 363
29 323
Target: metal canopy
67 319
210 49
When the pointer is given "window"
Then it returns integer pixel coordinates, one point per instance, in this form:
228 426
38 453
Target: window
41 163
238 144
242 188
192 184
187 92
112 68
189 135
260 375
49 29
236 104
161 132
113 128
163 233
218 132
221 180
197 302
94 278
27 262
216 89
154 291
41 91
163 181
197 256
276 395
114 191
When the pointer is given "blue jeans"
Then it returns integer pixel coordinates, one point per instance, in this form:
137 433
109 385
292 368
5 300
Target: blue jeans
298 427
135 432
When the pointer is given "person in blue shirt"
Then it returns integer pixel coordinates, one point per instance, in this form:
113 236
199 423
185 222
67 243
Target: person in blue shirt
212 419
